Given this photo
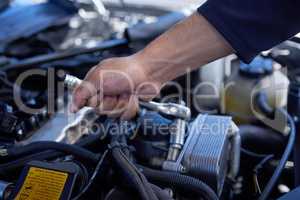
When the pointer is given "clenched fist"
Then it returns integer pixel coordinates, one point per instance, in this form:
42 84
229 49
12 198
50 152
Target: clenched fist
114 87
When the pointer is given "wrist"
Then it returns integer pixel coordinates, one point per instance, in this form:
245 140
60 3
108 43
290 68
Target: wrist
146 68
156 70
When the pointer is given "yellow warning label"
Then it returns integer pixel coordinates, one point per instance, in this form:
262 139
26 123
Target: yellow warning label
42 184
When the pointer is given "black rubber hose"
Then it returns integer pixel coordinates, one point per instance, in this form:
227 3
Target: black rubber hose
11 166
266 140
85 142
161 194
45 145
130 171
14 163
180 181
289 147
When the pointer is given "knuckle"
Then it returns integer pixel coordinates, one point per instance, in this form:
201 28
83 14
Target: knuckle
105 62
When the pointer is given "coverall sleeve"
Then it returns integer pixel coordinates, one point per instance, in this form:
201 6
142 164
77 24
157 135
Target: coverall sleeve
252 26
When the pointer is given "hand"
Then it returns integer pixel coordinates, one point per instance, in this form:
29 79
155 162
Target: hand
114 87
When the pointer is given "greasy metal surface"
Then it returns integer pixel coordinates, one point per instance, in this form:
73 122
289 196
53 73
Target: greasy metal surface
65 127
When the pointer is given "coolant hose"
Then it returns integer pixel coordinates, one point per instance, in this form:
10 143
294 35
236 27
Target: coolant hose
47 145
12 164
261 100
180 181
266 140
137 179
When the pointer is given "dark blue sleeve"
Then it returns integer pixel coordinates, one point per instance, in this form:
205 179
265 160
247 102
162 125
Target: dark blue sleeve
252 26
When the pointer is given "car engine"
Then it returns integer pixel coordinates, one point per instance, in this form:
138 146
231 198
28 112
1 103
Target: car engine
211 139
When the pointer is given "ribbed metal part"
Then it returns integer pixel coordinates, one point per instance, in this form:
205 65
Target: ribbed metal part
207 153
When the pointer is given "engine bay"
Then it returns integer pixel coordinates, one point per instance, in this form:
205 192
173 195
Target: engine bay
206 136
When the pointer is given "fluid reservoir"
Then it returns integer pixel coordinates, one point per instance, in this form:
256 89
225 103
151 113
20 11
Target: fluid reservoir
246 81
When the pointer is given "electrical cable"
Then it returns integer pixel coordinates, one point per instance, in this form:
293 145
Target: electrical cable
262 162
257 186
257 168
285 156
253 154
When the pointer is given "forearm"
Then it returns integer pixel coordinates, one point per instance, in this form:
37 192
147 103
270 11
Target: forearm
188 45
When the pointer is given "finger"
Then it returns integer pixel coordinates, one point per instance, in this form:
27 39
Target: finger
116 82
81 95
147 91
131 108
120 107
93 101
107 105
